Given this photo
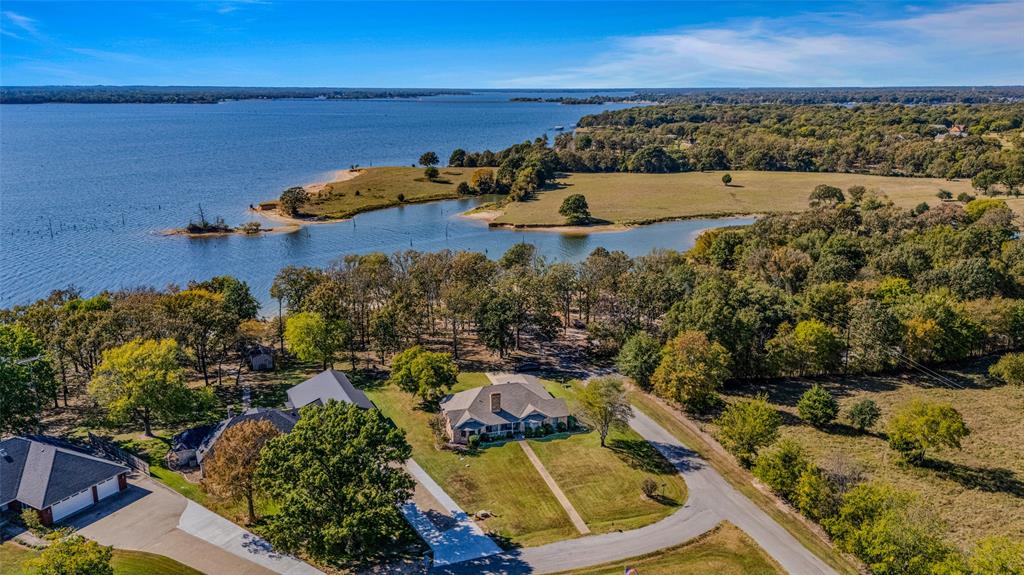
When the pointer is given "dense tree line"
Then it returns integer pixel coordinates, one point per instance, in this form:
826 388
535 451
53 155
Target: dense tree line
890 95
194 94
982 142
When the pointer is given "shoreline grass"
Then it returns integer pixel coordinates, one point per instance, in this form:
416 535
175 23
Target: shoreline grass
378 188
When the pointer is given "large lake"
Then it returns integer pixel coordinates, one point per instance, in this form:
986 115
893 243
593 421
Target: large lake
86 189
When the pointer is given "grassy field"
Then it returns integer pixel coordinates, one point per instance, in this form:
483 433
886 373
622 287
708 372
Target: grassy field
725 550
13 557
603 485
376 188
977 491
742 481
640 198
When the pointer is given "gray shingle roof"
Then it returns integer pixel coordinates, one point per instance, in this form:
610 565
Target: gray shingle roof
520 399
328 384
39 473
284 421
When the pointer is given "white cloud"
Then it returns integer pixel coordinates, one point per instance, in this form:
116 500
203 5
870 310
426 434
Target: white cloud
23 23
971 44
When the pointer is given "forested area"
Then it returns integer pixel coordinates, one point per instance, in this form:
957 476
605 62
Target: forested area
983 143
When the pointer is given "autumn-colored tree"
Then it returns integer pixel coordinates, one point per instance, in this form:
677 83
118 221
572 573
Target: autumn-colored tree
691 371
230 473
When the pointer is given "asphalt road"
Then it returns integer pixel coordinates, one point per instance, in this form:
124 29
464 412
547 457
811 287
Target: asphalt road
711 500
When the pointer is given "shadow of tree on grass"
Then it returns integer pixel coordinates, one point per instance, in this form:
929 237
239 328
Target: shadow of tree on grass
991 479
639 454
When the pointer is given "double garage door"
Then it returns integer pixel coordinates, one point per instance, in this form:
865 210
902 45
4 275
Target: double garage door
80 501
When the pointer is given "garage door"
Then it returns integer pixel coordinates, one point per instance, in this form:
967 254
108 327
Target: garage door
107 488
75 503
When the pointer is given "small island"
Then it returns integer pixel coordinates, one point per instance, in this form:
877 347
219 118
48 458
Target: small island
201 227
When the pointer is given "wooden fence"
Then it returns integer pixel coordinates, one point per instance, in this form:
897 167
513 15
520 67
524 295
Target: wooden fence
114 451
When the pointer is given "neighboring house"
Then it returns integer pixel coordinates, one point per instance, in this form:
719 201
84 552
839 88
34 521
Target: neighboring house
958 130
283 420
504 410
261 358
190 448
57 481
324 386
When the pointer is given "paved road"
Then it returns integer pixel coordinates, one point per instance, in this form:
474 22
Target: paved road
150 517
711 500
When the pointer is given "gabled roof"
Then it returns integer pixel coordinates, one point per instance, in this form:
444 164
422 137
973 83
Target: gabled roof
520 398
39 473
328 384
284 421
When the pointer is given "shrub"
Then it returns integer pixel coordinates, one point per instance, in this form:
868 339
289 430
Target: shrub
463 189
1009 369
817 406
863 414
401 197
474 441
781 467
964 197
748 425
431 173
727 179
30 519
920 425
944 195
649 487
814 495
251 228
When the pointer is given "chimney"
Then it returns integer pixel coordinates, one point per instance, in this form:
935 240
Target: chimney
495 402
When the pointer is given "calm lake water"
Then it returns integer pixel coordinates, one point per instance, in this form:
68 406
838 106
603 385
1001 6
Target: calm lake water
86 189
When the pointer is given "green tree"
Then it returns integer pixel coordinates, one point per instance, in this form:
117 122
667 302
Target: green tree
425 373
726 179
312 338
639 358
431 173
817 406
692 370
463 189
748 425
429 159
26 379
919 425
482 181
1009 369
73 555
814 495
292 200
457 158
141 380
230 473
863 414
339 482
780 467
810 348
604 406
575 209
824 194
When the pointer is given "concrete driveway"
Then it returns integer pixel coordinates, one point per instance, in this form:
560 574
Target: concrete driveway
151 517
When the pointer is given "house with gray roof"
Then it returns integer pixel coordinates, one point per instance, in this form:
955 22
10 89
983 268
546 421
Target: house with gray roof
283 420
326 385
505 409
54 479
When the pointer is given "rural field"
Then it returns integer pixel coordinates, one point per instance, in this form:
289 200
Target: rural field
977 491
376 188
725 550
628 198
602 484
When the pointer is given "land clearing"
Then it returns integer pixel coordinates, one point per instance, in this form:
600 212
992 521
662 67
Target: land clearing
725 550
602 484
633 199
977 491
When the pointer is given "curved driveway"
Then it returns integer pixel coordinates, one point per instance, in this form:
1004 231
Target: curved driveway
711 500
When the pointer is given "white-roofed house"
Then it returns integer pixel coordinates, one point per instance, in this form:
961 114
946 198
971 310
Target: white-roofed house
324 386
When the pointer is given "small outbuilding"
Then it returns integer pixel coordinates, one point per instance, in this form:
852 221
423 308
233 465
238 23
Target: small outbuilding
261 358
54 479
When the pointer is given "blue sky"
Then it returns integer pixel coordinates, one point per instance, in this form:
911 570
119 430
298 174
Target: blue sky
512 44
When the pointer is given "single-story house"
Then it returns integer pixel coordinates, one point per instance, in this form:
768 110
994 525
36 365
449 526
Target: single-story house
54 479
326 385
283 420
503 409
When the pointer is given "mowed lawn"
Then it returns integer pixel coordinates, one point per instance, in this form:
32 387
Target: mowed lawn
726 550
376 188
625 198
977 491
603 484
13 557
